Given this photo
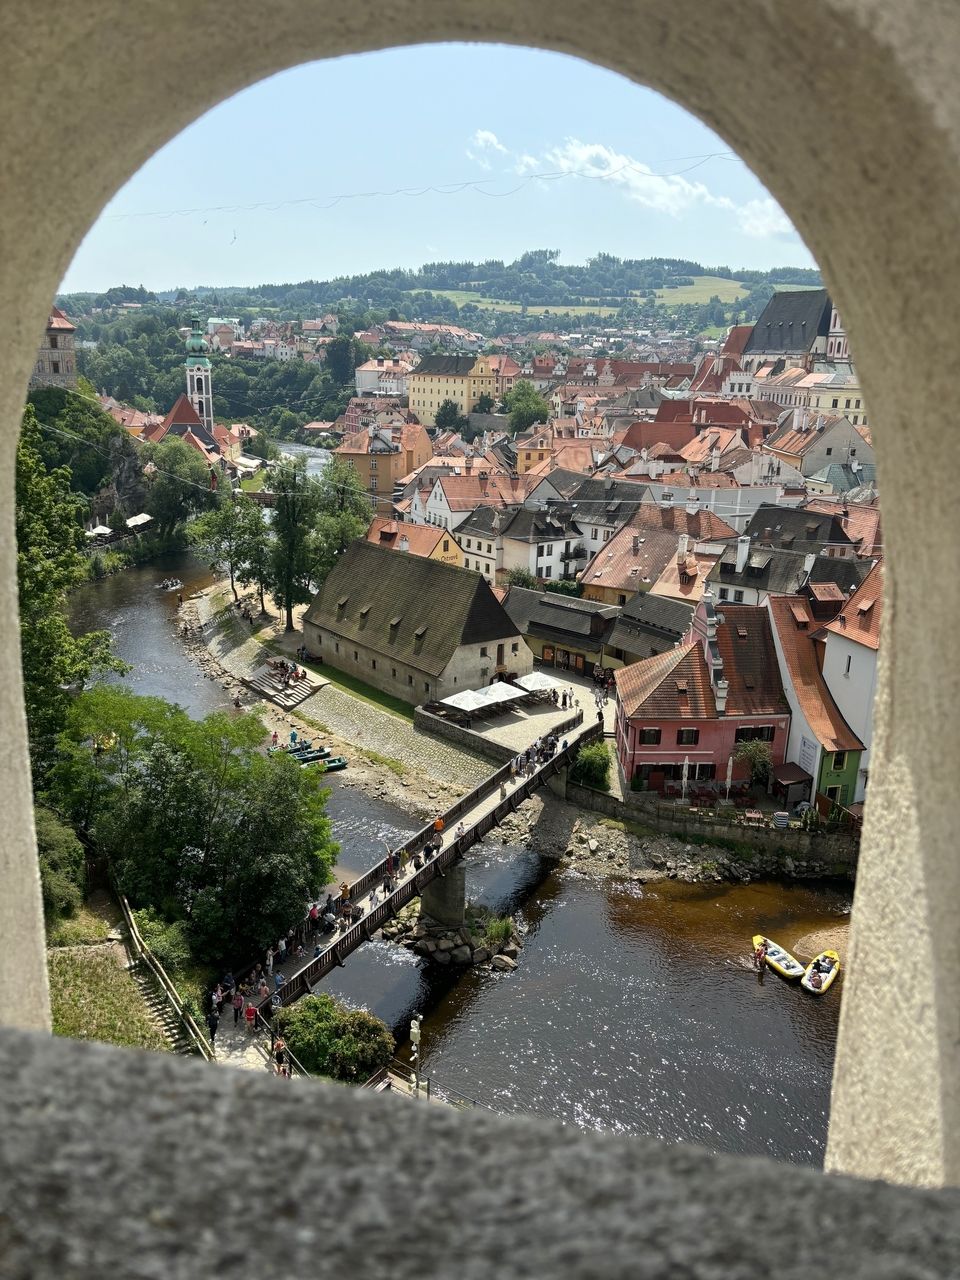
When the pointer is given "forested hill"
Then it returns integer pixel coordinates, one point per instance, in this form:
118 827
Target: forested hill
535 282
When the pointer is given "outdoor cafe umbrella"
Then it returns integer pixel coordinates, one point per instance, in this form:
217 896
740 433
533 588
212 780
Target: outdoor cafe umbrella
684 776
729 775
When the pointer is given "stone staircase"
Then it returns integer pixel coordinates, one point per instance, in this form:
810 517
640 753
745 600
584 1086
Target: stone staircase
157 1006
265 682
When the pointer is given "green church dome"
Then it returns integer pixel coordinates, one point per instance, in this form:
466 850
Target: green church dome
196 343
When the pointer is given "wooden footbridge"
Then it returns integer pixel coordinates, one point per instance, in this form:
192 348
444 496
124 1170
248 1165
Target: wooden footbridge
477 812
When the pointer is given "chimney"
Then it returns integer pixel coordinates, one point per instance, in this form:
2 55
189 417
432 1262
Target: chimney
404 543
767 538
709 615
682 549
666 515
693 503
720 695
483 483
380 361
743 552
715 458
636 544
808 563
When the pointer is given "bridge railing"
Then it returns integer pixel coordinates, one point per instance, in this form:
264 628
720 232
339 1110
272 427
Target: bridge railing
301 982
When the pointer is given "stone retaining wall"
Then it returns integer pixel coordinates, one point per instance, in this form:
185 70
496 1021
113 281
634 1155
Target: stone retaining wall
838 852
468 738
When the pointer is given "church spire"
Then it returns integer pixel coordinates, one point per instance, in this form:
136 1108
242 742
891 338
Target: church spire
199 380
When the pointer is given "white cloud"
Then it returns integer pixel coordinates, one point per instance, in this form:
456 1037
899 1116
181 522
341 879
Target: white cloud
762 218
672 194
484 143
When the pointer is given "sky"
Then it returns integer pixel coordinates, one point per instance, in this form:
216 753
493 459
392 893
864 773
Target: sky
431 153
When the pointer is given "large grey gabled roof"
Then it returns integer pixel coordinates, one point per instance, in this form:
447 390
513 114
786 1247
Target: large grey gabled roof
407 607
791 321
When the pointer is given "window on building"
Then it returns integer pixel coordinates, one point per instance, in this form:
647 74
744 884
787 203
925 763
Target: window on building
755 733
621 599
373 464
54 341
593 535
356 656
393 672
839 761
489 549
829 452
606 535
373 663
409 679
649 737
834 404
515 648
738 597
853 453
539 550
548 571
55 366
336 646
724 593
483 652
856 404
848 665
847 404
426 687
688 737
446 544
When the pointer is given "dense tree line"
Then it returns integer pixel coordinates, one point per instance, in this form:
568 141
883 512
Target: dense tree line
536 281
139 360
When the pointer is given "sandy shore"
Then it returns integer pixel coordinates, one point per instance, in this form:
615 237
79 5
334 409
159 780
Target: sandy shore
834 938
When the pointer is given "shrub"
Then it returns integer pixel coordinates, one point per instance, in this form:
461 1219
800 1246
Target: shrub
330 1040
169 942
498 930
592 767
62 865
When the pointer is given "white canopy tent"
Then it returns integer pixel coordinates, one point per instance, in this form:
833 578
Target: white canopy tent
537 682
98 531
492 695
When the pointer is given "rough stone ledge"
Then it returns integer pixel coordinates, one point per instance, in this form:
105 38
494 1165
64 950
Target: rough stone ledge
117 1163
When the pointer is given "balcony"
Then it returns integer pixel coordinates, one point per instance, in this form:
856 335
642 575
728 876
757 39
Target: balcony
579 552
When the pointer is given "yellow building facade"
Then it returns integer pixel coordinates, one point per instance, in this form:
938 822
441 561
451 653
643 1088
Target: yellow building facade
462 379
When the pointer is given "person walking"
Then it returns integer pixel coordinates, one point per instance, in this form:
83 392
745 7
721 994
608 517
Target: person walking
270 960
281 949
238 1006
212 1023
250 1013
438 824
275 739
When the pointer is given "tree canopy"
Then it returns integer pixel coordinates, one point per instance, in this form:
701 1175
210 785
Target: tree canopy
50 562
329 1039
229 840
526 406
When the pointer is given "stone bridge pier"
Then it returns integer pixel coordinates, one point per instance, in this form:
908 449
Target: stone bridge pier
444 900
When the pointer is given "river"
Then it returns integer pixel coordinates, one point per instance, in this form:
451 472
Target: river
633 1008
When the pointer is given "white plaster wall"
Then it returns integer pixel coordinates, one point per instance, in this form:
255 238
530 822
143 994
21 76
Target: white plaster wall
870 87
854 693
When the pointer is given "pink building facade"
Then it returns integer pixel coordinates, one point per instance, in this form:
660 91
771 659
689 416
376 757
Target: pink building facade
699 701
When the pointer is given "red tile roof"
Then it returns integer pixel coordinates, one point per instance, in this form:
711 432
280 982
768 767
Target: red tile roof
794 623
422 539
860 617
675 685
183 414
59 321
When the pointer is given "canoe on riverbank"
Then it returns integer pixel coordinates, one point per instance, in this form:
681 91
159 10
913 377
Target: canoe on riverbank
780 960
827 966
